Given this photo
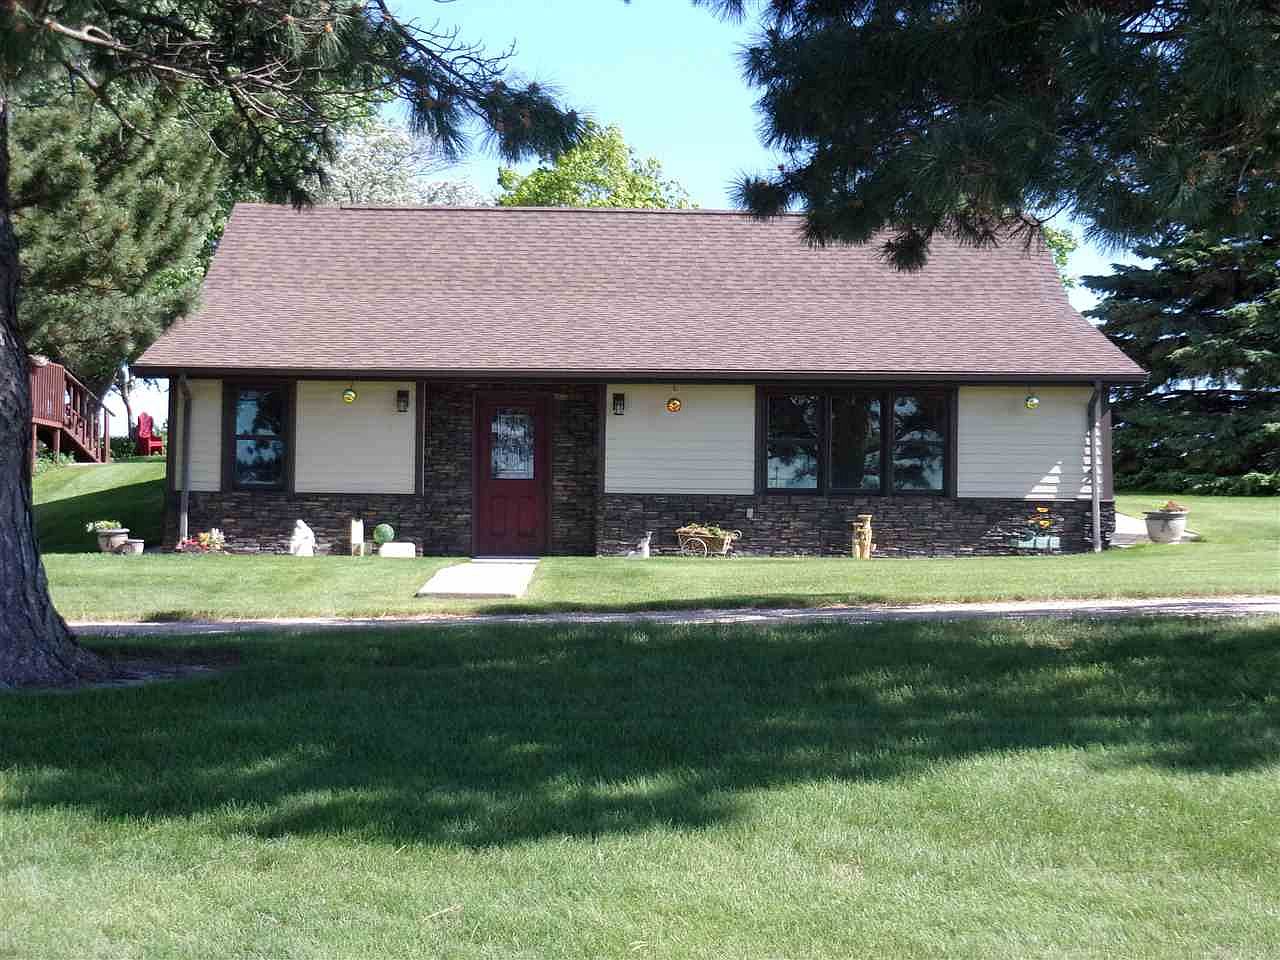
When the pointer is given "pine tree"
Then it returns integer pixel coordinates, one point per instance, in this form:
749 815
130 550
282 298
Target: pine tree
284 74
601 171
978 118
1204 319
111 225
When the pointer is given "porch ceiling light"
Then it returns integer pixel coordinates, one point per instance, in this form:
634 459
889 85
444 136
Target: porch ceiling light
349 395
674 405
1032 402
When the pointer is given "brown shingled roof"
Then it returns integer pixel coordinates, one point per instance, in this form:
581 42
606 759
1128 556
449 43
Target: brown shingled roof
590 292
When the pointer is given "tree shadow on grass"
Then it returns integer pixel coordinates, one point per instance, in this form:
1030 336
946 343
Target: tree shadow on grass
139 506
502 735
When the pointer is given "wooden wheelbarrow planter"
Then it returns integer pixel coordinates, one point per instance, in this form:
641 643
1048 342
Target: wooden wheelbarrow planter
695 542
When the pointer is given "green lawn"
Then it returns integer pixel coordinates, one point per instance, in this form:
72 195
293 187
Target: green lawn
1240 554
69 497
976 790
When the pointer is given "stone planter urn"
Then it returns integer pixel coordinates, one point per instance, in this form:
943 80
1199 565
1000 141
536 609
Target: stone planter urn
110 541
1166 526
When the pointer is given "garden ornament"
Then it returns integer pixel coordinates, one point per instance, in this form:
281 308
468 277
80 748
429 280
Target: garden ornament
641 552
303 541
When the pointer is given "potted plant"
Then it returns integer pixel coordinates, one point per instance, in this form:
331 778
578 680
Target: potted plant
1167 523
111 534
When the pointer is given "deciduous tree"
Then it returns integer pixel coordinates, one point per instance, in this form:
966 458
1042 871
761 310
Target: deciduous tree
601 171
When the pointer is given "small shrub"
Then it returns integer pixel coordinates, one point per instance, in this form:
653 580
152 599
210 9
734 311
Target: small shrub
47 461
1255 484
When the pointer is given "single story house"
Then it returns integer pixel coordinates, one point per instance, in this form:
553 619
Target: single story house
559 381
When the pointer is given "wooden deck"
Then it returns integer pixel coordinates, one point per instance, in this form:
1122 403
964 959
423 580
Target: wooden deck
67 416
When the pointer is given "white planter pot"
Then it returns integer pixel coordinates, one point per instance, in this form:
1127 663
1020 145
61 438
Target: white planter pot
109 541
132 547
1166 526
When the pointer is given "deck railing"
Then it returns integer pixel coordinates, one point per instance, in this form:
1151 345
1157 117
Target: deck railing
61 402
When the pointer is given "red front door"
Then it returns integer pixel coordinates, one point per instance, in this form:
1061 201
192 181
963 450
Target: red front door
511 476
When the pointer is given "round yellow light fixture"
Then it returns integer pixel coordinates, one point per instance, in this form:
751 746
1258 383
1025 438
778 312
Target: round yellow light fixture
349 395
1032 402
674 405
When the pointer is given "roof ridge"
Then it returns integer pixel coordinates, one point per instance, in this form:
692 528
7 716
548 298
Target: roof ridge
496 208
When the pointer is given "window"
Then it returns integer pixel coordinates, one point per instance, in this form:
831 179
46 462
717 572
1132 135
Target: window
793 442
855 442
876 441
919 441
258 440
511 444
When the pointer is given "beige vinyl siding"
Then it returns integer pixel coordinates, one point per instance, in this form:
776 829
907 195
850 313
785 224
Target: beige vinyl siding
206 435
361 447
708 447
1006 450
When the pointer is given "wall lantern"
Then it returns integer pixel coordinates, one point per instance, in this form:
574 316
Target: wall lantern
349 395
619 404
1032 402
402 401
674 405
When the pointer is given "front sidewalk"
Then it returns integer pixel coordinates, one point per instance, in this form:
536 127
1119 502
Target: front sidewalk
1237 606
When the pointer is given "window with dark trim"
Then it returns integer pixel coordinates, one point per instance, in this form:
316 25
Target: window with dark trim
259 446
855 440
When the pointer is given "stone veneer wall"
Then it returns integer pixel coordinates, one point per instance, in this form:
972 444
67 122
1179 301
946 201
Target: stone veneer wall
440 520
903 526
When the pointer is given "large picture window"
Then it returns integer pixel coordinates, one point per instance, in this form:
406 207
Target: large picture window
258 441
877 441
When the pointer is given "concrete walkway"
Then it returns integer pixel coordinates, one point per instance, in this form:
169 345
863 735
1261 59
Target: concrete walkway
482 579
1239 606
1133 530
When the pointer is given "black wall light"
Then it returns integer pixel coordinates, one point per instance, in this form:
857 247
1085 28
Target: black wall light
619 403
402 401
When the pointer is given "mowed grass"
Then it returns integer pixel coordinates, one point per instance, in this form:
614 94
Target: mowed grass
975 790
1239 555
69 497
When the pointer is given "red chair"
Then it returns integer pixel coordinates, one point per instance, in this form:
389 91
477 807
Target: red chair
147 442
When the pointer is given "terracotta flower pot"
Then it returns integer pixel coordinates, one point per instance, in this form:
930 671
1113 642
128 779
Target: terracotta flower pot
1166 526
109 541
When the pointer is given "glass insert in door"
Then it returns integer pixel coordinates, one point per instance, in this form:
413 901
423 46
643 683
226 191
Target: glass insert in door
511 444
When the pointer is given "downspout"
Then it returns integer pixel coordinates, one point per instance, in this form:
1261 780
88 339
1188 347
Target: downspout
1095 465
185 499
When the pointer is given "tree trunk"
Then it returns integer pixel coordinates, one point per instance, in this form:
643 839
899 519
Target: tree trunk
124 387
36 648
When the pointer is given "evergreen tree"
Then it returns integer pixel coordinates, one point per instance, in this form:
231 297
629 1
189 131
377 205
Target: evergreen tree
284 73
976 118
1204 319
111 225
601 171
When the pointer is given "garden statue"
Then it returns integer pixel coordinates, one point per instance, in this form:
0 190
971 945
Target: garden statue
303 541
641 552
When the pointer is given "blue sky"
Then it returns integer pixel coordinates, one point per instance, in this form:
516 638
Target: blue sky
662 70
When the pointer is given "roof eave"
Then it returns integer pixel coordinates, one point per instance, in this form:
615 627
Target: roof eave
170 370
